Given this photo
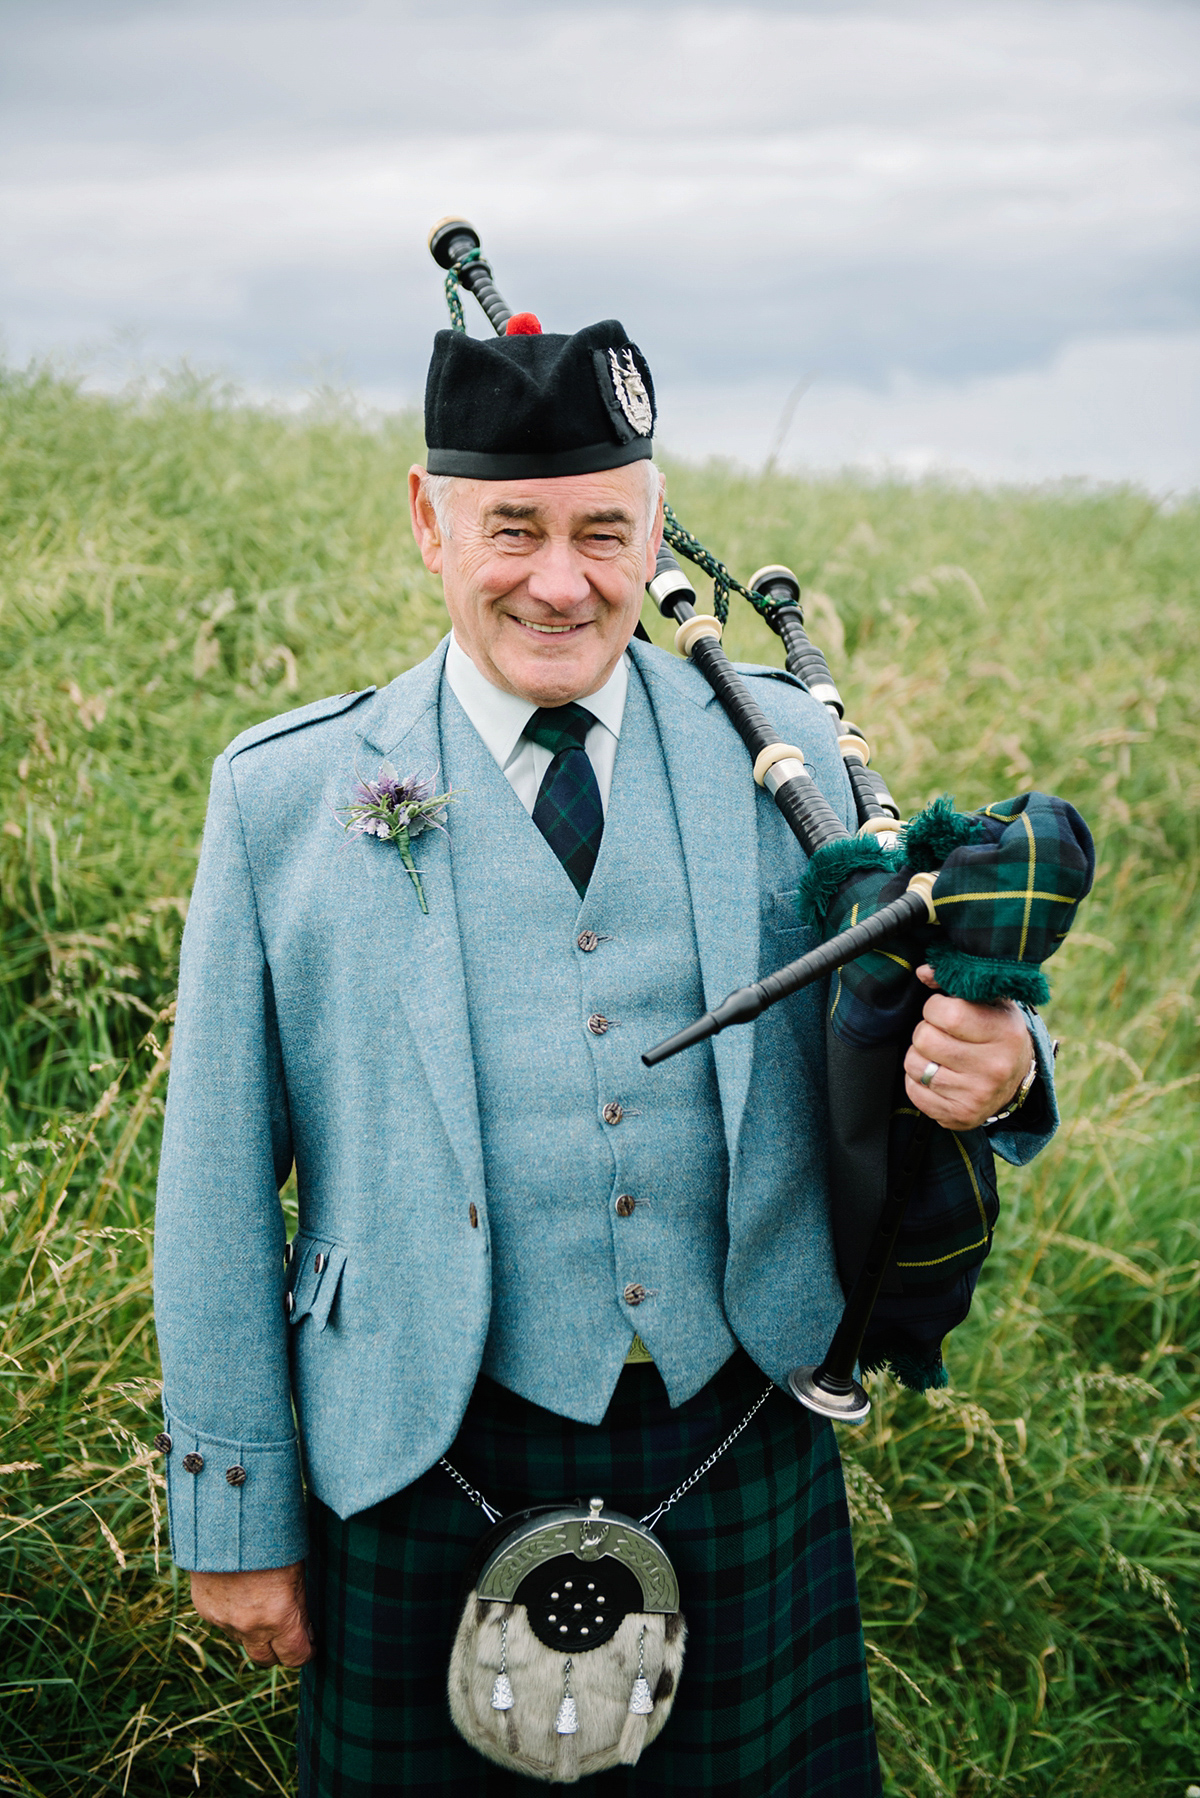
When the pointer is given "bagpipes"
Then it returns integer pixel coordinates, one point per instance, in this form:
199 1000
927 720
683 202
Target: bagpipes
984 897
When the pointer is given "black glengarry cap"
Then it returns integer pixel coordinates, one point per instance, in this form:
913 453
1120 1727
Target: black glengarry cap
535 404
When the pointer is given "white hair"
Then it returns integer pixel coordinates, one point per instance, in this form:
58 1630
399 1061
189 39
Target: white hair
439 489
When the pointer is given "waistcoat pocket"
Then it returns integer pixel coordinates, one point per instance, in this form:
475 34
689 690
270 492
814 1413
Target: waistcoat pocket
782 919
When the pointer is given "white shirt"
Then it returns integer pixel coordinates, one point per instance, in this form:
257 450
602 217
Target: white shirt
500 718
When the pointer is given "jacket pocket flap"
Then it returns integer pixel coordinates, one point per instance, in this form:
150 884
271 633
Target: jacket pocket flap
319 1267
781 914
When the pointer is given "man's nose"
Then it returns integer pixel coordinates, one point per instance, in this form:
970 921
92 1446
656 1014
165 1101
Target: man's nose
557 576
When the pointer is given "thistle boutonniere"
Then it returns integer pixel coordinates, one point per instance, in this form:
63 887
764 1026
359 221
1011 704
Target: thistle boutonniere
396 809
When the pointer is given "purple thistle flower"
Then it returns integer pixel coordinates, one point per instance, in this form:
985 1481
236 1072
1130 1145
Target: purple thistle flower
396 810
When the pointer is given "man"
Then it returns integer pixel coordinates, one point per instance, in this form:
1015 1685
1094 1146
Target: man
518 1249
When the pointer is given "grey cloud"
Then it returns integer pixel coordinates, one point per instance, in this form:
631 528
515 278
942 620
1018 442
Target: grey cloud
852 188
197 71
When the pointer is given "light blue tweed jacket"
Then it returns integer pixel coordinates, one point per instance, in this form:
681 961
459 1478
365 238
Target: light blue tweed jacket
323 1020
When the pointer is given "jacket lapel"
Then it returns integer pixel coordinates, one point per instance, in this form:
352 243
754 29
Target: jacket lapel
712 786
426 955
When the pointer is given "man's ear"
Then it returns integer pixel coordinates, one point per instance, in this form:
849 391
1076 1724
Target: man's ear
424 520
654 540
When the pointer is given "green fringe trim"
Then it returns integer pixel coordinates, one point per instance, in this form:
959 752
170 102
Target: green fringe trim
831 867
937 832
982 981
918 1376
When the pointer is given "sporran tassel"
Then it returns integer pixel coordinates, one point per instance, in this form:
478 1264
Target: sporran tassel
641 1703
566 1725
502 1692
633 1739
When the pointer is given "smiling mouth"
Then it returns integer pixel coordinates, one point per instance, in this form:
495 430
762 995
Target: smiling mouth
547 630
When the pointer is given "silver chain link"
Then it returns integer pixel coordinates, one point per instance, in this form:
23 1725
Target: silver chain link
651 1518
476 1497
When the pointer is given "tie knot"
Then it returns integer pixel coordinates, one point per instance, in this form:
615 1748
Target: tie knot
558 727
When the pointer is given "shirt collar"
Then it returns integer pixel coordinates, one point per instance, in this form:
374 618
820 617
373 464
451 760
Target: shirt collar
500 717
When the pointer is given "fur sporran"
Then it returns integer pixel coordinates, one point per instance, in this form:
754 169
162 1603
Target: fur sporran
570 1645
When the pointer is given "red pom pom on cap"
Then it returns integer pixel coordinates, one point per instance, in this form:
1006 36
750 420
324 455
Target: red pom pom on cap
523 324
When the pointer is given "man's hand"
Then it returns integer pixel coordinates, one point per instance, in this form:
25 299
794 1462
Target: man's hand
983 1053
265 1612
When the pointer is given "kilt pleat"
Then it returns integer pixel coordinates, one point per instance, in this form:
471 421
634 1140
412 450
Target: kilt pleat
773 1698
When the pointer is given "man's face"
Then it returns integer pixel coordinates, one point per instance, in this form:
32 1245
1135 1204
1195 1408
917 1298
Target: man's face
543 579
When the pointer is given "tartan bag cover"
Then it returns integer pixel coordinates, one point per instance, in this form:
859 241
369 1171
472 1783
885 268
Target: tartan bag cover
1010 881
1006 901
944 1241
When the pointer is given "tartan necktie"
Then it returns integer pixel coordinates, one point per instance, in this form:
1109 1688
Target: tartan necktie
568 811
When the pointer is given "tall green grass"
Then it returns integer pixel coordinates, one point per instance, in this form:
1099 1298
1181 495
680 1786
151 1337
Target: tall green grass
173 567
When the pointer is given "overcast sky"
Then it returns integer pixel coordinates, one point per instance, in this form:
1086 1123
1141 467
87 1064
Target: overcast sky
970 231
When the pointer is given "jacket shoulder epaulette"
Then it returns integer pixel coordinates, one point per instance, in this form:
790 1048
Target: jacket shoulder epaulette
303 715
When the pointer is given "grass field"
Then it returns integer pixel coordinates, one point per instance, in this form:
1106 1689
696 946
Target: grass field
174 567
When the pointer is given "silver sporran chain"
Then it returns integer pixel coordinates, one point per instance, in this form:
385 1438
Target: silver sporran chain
651 1518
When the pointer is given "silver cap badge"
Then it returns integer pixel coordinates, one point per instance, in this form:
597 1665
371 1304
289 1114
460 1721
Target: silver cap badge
630 390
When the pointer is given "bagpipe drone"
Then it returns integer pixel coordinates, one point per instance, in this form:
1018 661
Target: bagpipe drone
984 897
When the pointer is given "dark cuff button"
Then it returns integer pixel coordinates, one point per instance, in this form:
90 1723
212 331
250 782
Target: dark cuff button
236 1476
626 1204
193 1463
587 940
634 1294
473 1214
162 1443
597 1023
319 1263
612 1113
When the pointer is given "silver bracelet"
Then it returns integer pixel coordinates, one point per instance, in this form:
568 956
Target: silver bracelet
1019 1097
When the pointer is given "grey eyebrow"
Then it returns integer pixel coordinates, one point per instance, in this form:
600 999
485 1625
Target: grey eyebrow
510 509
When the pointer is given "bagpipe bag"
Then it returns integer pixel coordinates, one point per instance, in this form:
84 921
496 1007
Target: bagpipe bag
1010 879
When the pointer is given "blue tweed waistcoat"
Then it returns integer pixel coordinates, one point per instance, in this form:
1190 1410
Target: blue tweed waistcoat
563 1255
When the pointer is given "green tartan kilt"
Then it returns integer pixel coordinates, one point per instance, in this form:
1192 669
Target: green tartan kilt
773 1697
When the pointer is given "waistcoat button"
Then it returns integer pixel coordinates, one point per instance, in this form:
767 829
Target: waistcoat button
287 1253
634 1294
289 1302
319 1264
597 1023
612 1113
587 941
473 1214
162 1443
625 1205
193 1463
236 1476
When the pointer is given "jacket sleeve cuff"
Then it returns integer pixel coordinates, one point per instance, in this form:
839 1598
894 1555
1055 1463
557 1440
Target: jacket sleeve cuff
234 1507
1019 1138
